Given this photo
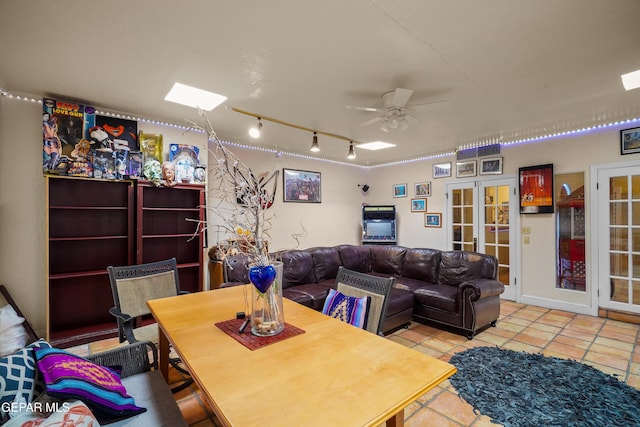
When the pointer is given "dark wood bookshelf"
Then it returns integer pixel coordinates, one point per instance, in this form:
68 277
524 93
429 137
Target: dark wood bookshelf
94 223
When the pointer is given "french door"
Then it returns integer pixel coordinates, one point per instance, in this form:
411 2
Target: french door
618 217
483 219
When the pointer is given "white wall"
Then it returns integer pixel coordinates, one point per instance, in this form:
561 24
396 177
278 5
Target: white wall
335 220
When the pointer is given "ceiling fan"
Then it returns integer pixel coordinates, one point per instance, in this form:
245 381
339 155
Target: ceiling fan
395 112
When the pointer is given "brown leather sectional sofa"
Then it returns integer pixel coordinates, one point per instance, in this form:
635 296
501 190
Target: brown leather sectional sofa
456 289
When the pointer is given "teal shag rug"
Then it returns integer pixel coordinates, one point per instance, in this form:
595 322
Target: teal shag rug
520 389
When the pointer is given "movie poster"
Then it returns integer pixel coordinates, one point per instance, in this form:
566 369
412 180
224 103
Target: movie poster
120 134
65 129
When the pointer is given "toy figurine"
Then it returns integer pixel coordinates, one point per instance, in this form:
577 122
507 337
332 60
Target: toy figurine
168 174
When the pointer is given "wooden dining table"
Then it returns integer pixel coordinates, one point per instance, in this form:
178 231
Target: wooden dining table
329 373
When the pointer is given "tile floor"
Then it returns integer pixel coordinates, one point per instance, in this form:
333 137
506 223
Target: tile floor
609 345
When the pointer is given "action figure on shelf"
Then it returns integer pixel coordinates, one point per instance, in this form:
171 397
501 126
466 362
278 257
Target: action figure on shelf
168 174
104 141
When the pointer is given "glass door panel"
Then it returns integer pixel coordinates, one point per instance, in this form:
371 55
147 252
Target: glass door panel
619 281
482 221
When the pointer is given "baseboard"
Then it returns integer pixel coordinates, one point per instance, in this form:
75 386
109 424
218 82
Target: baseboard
559 305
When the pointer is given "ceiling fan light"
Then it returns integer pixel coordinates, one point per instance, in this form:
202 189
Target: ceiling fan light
314 145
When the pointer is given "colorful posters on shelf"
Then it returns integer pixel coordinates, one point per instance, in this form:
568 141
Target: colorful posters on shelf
65 129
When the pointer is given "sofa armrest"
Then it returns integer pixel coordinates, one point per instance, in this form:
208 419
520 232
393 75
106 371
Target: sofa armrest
133 358
481 288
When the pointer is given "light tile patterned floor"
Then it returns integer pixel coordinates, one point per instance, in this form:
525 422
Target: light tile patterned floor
609 345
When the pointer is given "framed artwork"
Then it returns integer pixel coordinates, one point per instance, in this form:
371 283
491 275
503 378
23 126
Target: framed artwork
418 205
442 170
422 189
536 189
399 190
433 219
464 169
491 166
630 141
302 186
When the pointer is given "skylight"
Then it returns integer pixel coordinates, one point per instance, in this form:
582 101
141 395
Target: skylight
194 97
375 145
631 80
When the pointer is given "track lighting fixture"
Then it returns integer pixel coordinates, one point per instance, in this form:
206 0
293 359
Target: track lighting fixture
314 145
255 132
352 154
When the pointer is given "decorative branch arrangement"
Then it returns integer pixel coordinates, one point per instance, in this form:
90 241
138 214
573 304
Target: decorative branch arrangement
241 201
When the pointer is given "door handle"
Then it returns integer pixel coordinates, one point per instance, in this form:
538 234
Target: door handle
475 244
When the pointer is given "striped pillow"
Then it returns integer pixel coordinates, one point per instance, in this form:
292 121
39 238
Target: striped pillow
348 309
67 376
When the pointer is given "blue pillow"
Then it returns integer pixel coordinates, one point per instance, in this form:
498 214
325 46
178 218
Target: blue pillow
18 375
348 309
68 376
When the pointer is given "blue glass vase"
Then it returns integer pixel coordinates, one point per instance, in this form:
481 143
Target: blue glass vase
267 314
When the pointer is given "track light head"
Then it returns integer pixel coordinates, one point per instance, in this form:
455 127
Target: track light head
314 145
352 154
255 132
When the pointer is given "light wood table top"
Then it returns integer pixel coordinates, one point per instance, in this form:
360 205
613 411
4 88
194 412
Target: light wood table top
334 374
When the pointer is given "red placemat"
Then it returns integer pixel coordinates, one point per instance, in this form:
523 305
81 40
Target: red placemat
252 342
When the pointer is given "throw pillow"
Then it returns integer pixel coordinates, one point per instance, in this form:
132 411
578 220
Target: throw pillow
19 376
68 376
348 309
74 413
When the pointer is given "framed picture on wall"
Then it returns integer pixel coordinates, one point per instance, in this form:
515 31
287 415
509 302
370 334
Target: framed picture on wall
630 141
399 190
302 186
536 189
442 170
418 205
422 189
433 219
464 169
491 166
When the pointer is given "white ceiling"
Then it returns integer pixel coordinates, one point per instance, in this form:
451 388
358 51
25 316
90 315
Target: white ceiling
511 69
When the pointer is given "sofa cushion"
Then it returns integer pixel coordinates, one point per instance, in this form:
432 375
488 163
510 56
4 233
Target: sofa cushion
351 310
298 268
387 259
356 258
399 300
19 376
456 267
421 264
150 390
443 297
317 292
326 261
68 376
237 268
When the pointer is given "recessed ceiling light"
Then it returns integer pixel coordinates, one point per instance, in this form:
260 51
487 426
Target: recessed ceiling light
375 145
194 97
631 80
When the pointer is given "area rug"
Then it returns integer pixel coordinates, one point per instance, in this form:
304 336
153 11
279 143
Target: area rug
520 389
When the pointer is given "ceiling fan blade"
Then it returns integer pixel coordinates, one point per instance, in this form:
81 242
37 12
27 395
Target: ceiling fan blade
428 106
368 109
372 121
401 97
